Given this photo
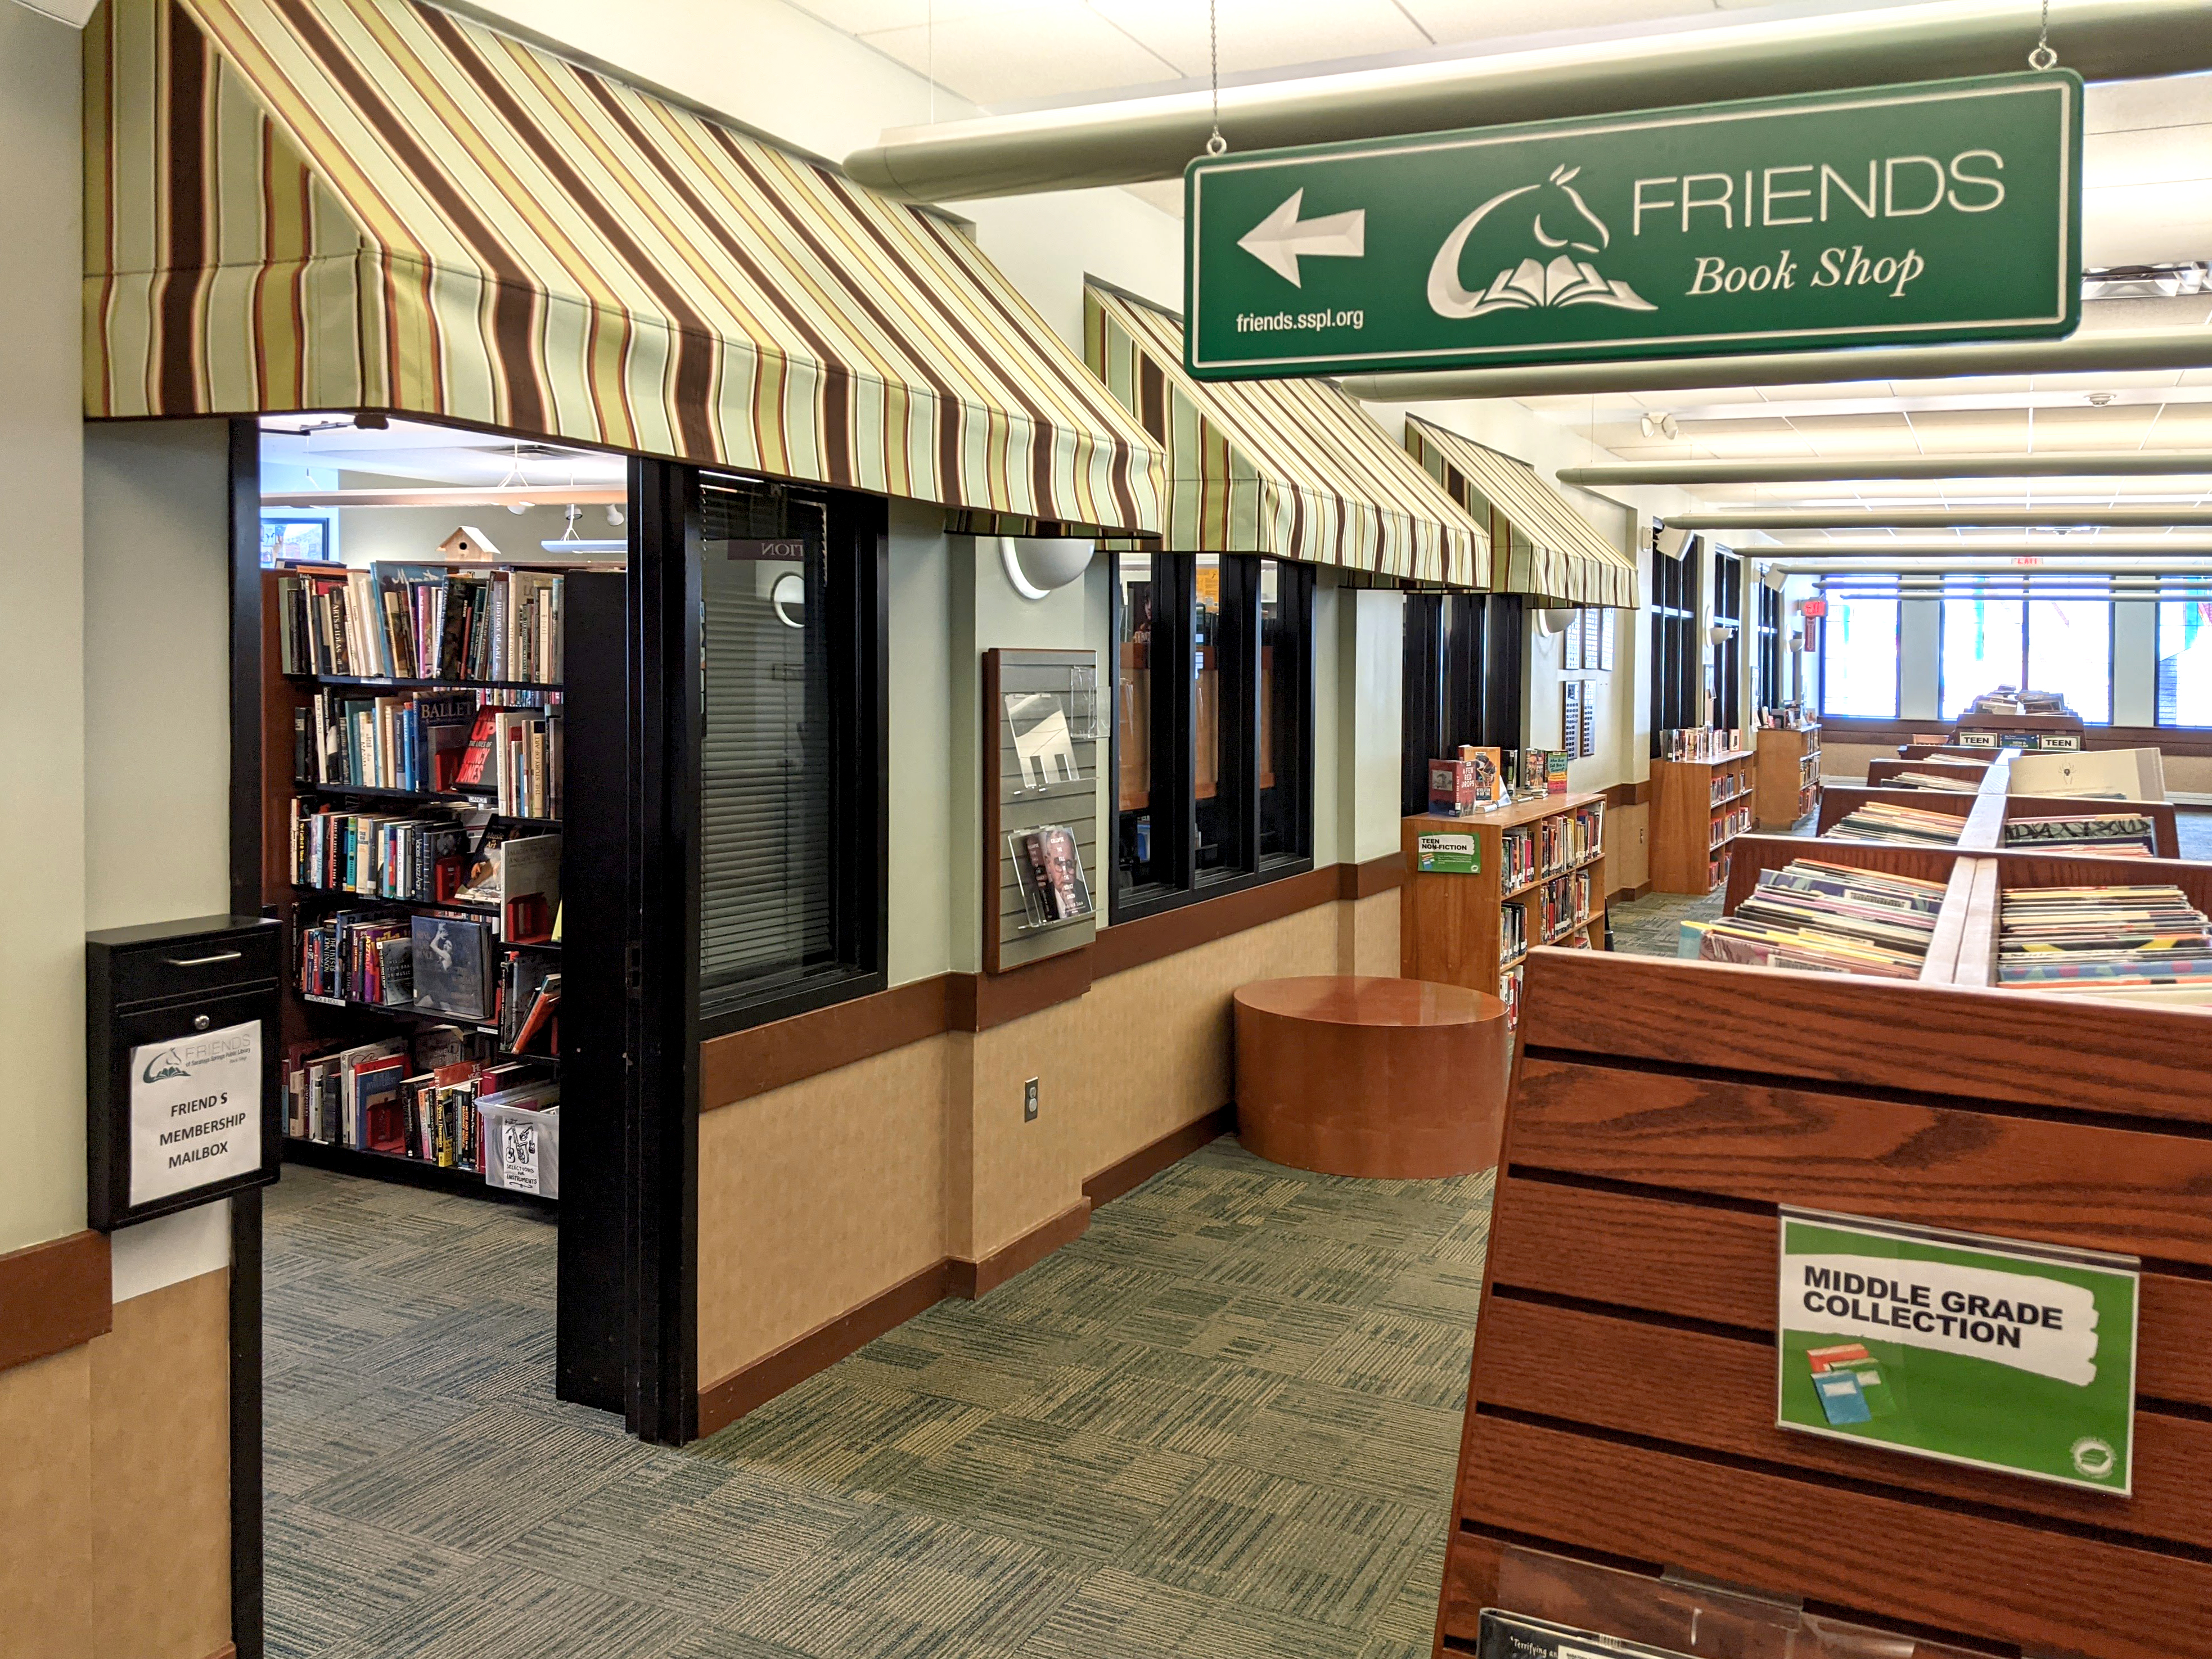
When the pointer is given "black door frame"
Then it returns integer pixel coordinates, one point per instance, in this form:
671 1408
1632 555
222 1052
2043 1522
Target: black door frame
658 977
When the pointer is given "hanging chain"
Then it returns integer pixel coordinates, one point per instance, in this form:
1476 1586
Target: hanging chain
1216 144
2043 58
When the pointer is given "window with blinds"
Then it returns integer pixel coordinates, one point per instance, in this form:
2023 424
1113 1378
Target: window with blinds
769 880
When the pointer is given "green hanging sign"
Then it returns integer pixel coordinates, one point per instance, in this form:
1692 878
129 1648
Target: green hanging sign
1909 215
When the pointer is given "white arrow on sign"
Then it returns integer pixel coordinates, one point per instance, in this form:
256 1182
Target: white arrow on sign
1278 239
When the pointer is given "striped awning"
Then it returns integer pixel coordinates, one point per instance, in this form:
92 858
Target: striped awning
297 205
1291 468
1544 547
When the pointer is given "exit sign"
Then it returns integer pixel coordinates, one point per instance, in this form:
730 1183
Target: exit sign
1946 211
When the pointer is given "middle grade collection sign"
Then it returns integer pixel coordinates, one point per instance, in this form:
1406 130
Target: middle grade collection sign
2005 1355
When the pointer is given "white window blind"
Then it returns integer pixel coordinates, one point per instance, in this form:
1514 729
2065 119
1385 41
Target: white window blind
767 859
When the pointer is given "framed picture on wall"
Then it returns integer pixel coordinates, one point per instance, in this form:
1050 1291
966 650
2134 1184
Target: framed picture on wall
1593 622
1571 715
1570 647
1605 618
1588 746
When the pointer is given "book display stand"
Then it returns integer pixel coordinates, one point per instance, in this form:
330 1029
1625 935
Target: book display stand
1789 775
1660 1112
1698 808
1538 878
1042 723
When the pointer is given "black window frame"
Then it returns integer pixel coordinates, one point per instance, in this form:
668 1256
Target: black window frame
1677 694
1172 666
857 543
1730 570
1769 653
1462 682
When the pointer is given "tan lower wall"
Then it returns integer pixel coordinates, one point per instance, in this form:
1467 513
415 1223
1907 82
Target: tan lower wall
817 1196
115 1486
1841 761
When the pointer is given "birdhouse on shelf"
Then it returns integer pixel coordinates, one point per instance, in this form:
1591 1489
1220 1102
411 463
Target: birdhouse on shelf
468 543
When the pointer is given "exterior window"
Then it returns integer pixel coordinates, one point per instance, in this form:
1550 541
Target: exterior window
1677 698
1858 658
1769 691
2069 651
2185 662
1462 681
790 848
2041 645
1212 726
1728 665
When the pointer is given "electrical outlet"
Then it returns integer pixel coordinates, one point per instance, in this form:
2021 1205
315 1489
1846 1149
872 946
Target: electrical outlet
1029 1101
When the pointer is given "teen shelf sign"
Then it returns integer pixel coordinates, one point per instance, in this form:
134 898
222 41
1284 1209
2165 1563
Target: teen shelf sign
1982 1350
1908 215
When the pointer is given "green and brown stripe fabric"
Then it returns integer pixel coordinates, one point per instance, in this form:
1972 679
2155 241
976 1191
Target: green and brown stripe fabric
299 205
1291 468
1541 546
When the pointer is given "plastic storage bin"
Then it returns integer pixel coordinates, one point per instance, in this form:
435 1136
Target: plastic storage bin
522 1149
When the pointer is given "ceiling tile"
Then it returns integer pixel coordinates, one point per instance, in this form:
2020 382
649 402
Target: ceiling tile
1045 49
2157 155
868 16
1257 34
2119 106
1493 19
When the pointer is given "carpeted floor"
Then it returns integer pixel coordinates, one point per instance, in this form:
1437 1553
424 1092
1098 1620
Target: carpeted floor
1222 1422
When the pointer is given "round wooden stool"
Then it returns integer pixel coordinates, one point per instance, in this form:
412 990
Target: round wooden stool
1355 1075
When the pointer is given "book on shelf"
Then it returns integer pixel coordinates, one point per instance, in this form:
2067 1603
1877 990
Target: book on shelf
1961 782
1821 917
417 1099
392 855
454 958
1899 825
1512 931
394 620
1048 865
353 956
529 1004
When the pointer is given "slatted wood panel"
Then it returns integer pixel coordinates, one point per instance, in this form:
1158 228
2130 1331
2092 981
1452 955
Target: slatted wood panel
1660 1111
1013 803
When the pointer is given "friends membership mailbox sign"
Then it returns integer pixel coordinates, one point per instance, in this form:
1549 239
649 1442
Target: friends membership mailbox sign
1946 211
2004 1355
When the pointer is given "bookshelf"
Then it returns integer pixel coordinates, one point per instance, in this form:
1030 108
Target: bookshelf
1546 854
1789 775
1698 808
413 758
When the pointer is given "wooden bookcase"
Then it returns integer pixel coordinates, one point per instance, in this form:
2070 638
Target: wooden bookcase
1452 927
1660 1112
1698 807
320 1022
1789 786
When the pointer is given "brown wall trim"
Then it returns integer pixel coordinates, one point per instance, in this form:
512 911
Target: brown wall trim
1133 944
970 1280
723 1403
1629 895
54 1296
2171 740
1628 794
1384 875
1141 1165
744 1064
747 1063
749 1387
977 1002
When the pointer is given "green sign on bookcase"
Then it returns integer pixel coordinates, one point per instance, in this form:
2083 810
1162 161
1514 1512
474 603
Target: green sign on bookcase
1908 215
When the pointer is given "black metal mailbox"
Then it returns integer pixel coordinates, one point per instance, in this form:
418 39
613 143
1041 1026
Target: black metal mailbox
181 1078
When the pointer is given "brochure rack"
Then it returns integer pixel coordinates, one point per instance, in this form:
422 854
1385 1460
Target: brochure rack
1621 1410
1041 746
